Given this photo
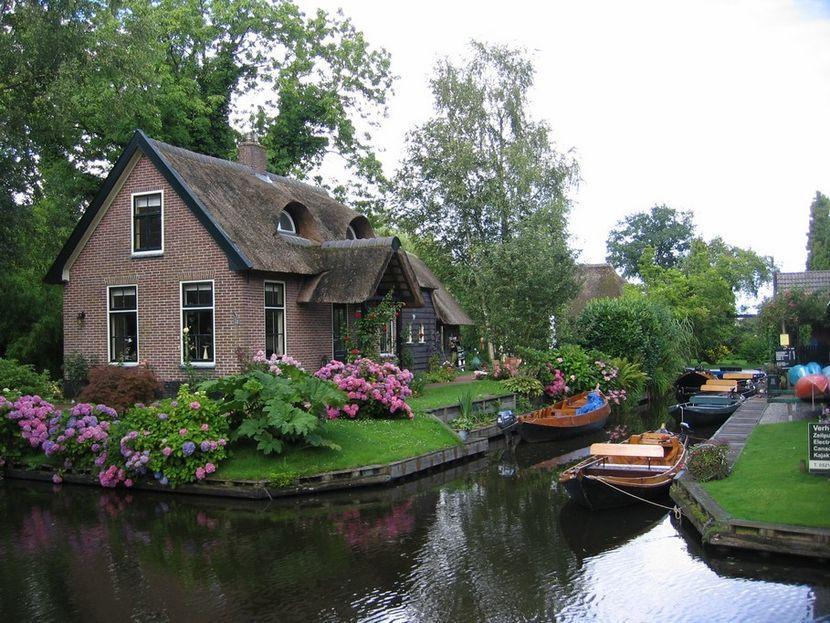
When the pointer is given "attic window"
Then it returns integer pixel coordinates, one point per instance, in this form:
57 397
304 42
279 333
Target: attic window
286 224
350 233
148 223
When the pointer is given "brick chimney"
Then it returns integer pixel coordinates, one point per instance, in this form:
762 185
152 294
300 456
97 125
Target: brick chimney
252 154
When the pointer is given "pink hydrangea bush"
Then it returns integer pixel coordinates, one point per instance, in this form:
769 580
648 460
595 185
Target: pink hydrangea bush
374 389
174 441
275 363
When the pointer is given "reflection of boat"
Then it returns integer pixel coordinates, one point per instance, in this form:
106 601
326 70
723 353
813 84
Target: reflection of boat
642 467
590 533
573 416
705 410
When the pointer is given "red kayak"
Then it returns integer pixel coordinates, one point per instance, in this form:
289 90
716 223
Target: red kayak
812 386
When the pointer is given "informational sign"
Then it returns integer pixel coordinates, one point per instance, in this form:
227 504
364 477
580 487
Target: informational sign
818 439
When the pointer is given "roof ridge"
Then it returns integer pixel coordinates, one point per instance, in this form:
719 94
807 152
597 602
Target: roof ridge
242 168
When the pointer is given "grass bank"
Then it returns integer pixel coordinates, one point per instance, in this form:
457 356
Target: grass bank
448 394
362 442
767 483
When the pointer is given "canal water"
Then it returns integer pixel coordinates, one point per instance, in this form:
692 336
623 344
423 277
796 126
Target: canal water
491 540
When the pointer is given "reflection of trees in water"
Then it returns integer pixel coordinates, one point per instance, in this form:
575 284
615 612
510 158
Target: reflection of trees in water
494 552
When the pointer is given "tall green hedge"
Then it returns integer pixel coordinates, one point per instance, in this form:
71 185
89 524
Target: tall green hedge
641 330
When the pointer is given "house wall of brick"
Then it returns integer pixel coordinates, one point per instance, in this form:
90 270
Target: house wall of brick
190 254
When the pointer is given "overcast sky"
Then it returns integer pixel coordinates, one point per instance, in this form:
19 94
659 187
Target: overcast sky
721 108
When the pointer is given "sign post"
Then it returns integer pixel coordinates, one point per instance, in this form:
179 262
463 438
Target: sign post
818 448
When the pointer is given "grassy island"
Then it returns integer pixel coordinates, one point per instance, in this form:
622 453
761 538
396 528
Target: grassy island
767 483
448 394
362 442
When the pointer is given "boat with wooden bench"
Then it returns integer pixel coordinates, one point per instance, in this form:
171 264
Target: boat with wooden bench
707 410
573 416
616 474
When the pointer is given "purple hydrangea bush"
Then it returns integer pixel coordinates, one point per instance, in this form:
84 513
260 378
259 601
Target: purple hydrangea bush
174 441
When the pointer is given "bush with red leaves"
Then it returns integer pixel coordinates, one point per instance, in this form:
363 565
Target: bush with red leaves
121 387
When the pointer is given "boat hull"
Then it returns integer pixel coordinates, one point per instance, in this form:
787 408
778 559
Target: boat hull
537 433
703 416
597 495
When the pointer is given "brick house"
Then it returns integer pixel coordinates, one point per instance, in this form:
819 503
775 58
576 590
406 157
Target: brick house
183 256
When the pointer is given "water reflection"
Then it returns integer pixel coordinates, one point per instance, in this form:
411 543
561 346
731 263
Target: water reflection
466 545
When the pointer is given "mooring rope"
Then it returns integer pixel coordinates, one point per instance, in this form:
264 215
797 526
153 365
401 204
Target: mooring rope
674 509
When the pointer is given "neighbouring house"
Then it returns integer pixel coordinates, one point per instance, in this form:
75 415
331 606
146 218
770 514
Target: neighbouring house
185 258
598 281
809 281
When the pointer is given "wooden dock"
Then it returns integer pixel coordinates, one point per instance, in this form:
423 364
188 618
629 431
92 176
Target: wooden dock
717 527
736 430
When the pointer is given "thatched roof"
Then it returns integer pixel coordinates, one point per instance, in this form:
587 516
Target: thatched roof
240 208
356 270
448 310
598 281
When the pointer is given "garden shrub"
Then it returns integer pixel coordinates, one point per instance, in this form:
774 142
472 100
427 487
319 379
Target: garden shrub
177 441
24 426
282 406
708 462
76 368
121 387
20 379
416 385
524 385
374 390
644 332
80 436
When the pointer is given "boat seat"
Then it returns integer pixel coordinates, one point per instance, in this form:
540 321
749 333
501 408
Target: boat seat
647 451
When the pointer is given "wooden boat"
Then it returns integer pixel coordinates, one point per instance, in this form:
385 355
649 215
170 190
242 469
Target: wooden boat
706 410
690 382
566 418
616 474
812 386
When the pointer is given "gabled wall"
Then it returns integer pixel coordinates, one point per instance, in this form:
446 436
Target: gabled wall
190 254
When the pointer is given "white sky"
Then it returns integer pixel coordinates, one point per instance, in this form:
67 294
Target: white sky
722 108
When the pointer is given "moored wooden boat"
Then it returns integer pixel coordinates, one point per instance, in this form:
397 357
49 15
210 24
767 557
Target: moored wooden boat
566 418
690 382
707 410
641 468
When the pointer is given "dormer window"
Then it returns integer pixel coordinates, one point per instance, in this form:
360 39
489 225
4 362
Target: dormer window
286 224
148 223
350 233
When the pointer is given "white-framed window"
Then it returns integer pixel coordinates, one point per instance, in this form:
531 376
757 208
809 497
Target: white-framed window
388 338
274 318
147 223
351 234
122 324
409 333
198 323
286 224
422 334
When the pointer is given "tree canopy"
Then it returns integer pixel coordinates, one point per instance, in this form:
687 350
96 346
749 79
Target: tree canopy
77 77
482 192
818 236
668 232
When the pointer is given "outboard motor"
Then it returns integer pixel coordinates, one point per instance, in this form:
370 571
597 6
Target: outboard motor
685 430
507 421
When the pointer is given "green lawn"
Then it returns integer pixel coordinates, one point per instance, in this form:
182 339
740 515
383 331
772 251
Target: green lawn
767 483
362 442
447 394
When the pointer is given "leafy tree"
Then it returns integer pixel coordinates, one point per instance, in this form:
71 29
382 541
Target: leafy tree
818 237
662 228
795 312
78 76
702 290
482 192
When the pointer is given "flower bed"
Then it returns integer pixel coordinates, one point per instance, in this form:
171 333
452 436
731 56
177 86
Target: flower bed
374 389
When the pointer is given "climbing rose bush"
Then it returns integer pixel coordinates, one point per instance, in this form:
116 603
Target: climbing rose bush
175 441
374 389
